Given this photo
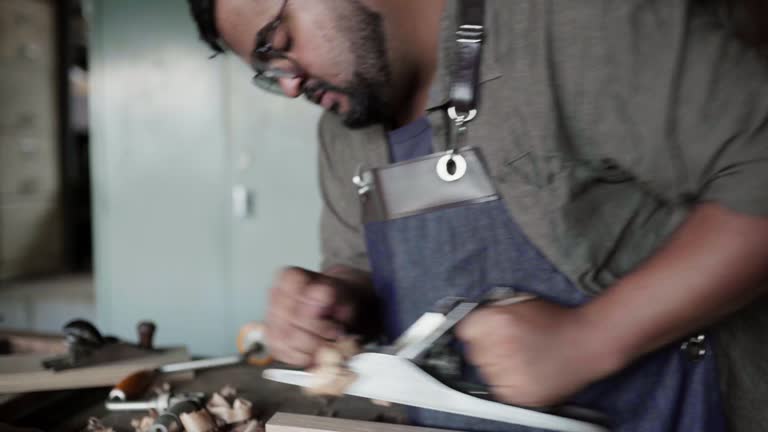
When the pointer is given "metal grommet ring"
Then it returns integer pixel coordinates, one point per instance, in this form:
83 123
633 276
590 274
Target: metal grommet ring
459 165
464 118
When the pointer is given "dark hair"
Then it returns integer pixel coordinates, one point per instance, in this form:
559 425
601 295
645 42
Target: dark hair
203 11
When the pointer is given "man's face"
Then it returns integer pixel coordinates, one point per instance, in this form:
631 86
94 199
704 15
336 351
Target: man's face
340 45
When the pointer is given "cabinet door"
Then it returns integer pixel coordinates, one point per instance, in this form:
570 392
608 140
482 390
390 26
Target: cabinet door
274 151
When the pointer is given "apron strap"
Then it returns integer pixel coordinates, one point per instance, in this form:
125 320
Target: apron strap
462 107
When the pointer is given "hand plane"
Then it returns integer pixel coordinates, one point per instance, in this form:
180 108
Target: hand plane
405 373
87 347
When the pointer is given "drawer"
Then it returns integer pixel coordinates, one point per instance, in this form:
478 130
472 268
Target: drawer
28 98
30 238
29 168
27 31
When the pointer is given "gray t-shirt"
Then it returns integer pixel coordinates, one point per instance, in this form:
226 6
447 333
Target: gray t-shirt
602 122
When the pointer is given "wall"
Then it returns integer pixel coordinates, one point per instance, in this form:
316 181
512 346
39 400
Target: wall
173 133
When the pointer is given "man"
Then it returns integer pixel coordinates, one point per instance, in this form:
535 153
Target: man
629 144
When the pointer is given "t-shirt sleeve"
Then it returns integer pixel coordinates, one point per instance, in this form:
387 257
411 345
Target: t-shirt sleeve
731 167
693 105
341 233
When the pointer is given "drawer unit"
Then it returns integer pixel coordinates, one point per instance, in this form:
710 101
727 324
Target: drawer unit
27 101
28 169
27 31
30 238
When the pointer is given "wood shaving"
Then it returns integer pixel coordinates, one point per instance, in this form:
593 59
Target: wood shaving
198 421
348 346
95 425
145 423
228 392
330 376
162 388
238 411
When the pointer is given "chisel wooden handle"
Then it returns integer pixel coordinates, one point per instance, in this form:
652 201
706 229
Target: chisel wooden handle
250 343
133 386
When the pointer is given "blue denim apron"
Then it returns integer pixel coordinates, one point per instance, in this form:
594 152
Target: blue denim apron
467 250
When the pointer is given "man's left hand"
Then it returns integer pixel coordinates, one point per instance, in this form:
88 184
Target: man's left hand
534 353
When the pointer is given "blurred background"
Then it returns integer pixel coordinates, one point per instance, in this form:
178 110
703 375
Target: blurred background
142 179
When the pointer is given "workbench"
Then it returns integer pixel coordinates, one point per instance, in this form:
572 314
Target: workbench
73 409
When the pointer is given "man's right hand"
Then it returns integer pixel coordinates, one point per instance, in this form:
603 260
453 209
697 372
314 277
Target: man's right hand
307 309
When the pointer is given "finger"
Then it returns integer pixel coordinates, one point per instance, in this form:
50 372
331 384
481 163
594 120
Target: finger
286 310
293 309
301 341
291 357
324 328
343 313
481 354
281 347
317 301
320 294
292 280
472 327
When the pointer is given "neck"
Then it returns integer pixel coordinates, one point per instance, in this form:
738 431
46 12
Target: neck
414 29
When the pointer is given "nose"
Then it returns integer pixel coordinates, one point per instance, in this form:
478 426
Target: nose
291 86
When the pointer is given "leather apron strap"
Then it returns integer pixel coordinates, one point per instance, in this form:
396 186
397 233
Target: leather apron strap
465 78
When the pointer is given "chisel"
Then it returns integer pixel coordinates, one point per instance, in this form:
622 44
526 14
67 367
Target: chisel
250 344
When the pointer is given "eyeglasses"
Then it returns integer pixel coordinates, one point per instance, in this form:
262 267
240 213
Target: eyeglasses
270 64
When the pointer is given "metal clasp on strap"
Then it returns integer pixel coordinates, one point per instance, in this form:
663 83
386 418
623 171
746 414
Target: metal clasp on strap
694 347
363 179
453 166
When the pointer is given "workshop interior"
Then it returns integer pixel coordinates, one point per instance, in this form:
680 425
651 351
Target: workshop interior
151 197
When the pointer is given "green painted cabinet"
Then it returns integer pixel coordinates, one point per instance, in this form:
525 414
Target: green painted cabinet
202 184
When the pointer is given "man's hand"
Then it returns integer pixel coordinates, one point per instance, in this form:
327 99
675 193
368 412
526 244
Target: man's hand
534 353
307 309
538 353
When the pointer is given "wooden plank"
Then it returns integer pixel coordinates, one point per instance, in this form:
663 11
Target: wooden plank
25 373
285 422
26 342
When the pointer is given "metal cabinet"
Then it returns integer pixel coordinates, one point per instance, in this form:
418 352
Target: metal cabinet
176 137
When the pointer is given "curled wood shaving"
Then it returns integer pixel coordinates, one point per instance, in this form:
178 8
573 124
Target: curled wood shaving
348 347
143 424
238 411
330 376
228 391
95 425
162 388
198 421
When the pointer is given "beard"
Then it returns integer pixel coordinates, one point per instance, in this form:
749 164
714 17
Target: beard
368 92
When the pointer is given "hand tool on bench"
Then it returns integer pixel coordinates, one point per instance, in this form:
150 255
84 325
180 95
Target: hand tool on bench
161 403
399 374
87 347
251 348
